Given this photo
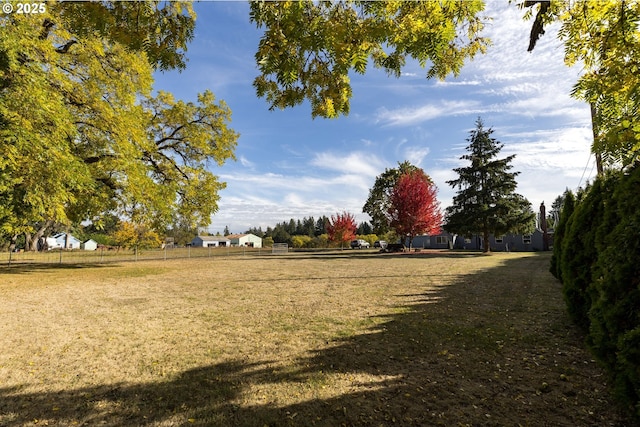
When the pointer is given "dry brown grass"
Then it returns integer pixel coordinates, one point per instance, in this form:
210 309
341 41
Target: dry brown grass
332 339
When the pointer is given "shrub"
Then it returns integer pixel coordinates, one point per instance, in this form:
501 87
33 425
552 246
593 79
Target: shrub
614 333
559 232
579 253
597 259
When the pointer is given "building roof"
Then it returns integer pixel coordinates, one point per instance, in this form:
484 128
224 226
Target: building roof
238 236
212 238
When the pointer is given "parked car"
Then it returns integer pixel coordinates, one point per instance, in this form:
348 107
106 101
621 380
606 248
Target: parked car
382 244
359 244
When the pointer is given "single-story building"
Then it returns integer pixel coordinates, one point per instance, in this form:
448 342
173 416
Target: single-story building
62 241
540 240
90 245
507 242
441 240
249 240
210 241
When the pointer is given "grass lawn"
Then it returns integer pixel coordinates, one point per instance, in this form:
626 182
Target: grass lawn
346 338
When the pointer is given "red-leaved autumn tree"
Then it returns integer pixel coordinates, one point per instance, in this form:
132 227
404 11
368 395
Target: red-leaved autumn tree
342 228
414 208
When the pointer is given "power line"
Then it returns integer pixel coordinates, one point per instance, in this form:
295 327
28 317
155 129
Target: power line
585 170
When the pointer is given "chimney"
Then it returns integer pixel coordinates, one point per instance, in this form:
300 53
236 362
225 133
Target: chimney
543 227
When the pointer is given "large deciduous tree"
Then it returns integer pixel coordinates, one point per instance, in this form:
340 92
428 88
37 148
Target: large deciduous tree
309 48
378 203
486 202
342 228
81 134
414 206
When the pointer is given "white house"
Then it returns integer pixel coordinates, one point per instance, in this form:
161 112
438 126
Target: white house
250 240
90 245
52 243
210 241
63 242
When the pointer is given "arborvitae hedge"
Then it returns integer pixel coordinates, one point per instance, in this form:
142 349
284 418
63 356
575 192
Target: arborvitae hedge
614 333
579 253
559 232
599 265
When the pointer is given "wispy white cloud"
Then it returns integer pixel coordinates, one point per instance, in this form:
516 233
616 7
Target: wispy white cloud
452 83
415 155
354 162
245 162
408 116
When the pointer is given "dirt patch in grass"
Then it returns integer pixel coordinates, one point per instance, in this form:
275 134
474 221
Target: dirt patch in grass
328 340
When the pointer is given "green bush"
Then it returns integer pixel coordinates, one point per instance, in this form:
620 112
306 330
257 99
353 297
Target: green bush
559 232
597 258
579 253
614 332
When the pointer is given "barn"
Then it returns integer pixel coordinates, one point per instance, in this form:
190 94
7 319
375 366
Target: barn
210 241
249 240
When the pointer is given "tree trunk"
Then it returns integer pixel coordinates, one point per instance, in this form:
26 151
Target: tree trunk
28 243
485 238
31 242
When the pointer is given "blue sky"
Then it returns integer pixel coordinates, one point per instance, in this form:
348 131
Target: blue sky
292 166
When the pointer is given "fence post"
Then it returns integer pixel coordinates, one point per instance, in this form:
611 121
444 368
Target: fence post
61 255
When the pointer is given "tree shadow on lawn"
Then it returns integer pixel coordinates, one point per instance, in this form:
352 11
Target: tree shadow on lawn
26 267
495 348
355 253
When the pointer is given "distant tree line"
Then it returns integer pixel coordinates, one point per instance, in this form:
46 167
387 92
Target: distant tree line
596 256
307 232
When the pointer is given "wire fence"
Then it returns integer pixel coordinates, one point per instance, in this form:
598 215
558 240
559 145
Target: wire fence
103 255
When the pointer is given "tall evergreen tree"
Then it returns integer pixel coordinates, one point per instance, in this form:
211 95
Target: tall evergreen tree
321 225
364 228
486 202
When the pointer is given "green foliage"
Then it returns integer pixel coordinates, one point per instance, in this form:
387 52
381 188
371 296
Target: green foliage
267 242
579 252
86 138
614 332
182 232
603 36
559 232
301 241
131 235
600 271
364 228
309 48
159 29
486 202
379 200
